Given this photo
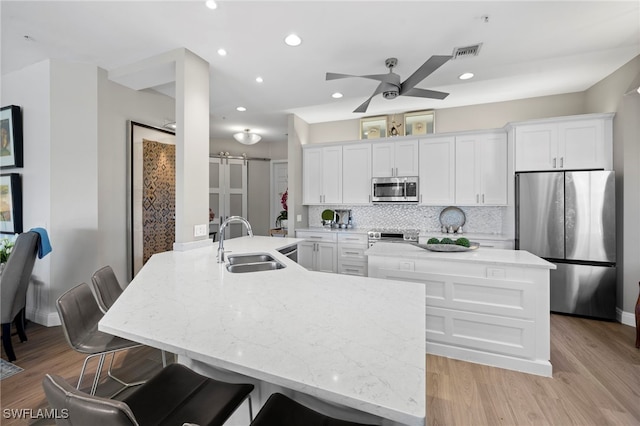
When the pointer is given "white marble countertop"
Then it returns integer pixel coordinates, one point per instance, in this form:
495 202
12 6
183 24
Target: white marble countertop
479 255
354 341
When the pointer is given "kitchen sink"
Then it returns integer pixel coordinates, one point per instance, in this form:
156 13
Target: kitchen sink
250 258
242 263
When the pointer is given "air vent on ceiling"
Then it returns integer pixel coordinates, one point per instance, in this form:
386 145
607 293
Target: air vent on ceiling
467 51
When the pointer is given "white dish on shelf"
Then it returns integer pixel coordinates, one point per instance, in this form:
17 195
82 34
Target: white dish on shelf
452 216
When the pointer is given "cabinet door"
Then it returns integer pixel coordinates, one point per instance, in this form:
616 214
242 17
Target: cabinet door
332 175
306 252
383 159
467 172
580 144
312 176
492 157
406 158
437 171
327 257
536 147
356 174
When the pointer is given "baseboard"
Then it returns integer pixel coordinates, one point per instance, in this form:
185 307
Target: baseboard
48 319
626 318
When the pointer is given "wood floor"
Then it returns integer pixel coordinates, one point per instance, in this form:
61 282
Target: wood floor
596 380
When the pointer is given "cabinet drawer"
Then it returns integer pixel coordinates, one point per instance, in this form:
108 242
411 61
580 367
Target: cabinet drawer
329 237
353 238
352 267
352 251
496 244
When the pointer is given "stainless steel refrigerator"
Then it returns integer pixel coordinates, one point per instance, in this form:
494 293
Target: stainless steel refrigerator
568 218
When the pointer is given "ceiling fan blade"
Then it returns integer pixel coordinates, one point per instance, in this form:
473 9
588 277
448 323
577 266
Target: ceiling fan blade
363 107
335 76
432 64
425 93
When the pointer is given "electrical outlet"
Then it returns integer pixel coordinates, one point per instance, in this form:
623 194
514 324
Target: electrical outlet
299 218
200 230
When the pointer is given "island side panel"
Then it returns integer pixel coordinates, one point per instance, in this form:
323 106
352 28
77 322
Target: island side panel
483 311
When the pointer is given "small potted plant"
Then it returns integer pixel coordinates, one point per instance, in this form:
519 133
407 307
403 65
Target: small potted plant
6 246
281 220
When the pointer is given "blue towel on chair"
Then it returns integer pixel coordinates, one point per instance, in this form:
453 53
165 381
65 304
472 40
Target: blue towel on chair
44 245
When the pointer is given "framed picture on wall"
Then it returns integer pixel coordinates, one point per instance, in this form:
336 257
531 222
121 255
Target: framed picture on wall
10 204
373 127
11 137
419 123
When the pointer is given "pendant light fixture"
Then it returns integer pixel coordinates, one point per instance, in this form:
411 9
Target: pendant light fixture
247 138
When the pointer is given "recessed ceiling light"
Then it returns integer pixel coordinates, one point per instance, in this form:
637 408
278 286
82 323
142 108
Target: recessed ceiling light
337 95
241 109
466 76
293 40
259 79
222 52
211 4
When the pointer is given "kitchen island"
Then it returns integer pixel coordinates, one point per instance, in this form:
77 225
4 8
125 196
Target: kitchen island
349 346
488 306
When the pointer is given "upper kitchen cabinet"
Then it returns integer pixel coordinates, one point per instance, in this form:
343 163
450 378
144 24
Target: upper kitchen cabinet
437 171
564 143
322 175
356 173
396 158
481 169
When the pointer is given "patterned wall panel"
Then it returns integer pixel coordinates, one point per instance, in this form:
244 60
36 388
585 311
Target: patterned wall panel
158 197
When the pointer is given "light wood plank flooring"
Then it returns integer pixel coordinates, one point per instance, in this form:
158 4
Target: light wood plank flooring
596 379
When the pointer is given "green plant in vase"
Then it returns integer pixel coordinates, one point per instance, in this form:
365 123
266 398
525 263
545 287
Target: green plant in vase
284 212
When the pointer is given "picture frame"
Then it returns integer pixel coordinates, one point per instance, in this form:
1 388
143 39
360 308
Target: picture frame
373 127
419 123
396 125
11 153
10 204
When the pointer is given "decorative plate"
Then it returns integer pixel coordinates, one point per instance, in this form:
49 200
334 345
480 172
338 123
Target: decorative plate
451 248
452 216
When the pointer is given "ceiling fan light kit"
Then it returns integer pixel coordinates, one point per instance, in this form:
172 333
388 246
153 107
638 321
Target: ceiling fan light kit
390 86
247 138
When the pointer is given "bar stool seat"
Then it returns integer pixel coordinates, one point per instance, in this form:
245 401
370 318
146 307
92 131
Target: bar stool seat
280 410
175 396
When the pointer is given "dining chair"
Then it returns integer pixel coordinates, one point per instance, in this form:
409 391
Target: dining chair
13 288
174 396
80 314
280 410
107 289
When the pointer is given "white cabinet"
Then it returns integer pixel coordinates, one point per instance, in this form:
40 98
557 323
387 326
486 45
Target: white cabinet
322 175
481 169
564 143
351 257
398 158
437 171
356 173
319 252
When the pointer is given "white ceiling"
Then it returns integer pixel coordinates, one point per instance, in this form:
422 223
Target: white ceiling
528 49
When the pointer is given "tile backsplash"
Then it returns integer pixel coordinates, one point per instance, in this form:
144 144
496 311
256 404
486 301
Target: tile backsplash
484 220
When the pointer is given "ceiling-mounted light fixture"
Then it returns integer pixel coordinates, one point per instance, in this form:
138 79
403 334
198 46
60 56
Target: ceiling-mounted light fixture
211 4
247 138
170 125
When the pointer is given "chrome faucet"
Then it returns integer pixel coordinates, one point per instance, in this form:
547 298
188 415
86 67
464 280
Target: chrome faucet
223 225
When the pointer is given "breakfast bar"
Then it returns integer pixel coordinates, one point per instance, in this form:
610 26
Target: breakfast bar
352 343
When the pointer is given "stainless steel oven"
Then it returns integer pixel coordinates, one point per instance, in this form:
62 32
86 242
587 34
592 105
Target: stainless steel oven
394 189
407 236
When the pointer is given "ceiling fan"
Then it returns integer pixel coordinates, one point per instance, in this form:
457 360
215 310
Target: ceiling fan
390 85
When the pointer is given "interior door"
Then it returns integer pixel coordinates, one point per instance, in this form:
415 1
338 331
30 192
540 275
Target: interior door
228 193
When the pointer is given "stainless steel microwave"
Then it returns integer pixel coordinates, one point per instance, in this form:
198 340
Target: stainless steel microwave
394 189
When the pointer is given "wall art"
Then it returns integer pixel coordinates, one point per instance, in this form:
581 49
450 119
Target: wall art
10 204
11 137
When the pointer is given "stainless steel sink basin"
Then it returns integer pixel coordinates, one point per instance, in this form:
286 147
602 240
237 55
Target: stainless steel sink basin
249 258
242 263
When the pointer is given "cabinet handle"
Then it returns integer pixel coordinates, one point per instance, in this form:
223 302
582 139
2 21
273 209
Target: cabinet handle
351 252
314 236
355 271
321 198
392 172
554 162
482 198
396 171
561 162
420 198
477 198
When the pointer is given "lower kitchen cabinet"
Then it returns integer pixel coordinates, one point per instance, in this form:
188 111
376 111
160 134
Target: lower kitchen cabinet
351 257
319 252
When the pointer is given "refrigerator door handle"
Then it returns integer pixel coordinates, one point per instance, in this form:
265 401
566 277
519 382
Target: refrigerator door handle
561 162
554 162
